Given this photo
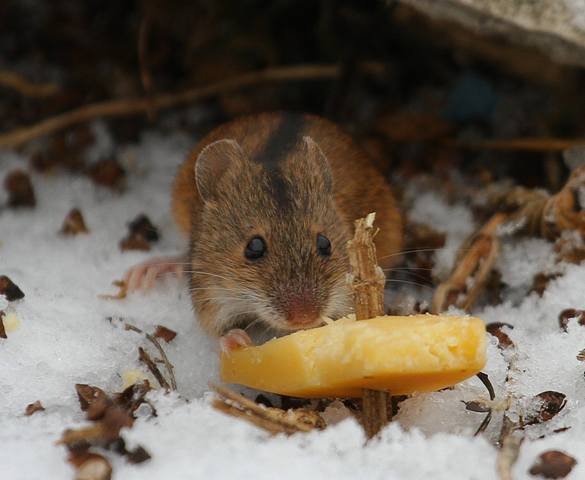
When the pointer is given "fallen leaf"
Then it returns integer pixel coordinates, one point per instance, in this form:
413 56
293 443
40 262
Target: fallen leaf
138 455
551 403
495 329
9 289
143 227
568 314
553 464
88 395
108 173
134 242
33 408
20 190
74 224
165 333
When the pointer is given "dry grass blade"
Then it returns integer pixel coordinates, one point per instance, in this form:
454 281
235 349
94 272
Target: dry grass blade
273 420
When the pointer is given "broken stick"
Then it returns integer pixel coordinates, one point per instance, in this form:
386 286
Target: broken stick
367 283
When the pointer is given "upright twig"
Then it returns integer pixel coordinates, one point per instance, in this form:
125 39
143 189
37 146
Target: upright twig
367 280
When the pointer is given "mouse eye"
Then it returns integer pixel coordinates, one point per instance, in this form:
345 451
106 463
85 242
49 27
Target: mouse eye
255 249
323 245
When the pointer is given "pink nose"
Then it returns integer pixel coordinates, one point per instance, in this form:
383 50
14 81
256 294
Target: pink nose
301 310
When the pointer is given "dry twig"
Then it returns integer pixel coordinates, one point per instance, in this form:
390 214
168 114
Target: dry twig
273 420
153 367
26 88
136 106
472 269
367 282
520 144
163 355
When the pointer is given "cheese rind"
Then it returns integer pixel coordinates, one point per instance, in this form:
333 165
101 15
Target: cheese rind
403 355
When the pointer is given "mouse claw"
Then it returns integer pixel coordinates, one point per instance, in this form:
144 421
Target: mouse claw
144 275
234 339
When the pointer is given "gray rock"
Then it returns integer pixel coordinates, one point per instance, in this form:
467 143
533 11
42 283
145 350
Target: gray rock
557 27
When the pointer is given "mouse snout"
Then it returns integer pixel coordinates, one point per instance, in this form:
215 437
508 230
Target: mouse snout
301 310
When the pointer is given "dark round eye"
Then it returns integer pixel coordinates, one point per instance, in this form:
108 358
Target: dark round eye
255 249
323 245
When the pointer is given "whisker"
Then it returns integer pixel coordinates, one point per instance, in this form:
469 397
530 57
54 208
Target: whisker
393 269
410 283
416 250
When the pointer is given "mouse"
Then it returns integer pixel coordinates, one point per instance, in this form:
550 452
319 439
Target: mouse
268 204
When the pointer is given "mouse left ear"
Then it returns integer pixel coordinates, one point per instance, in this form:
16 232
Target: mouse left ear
319 162
212 163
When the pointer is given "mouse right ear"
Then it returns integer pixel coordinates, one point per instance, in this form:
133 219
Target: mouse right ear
212 163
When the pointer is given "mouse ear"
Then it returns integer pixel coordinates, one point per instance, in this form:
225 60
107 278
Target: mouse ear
212 163
319 162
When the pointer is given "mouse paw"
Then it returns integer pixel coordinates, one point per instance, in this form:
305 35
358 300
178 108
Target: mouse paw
143 276
234 339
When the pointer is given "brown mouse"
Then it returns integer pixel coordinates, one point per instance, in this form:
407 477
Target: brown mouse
268 203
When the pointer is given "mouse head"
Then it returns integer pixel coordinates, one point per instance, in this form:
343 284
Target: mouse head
270 245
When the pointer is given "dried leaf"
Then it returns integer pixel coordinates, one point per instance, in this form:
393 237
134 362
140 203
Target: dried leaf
495 329
20 190
33 408
165 333
142 226
551 403
74 224
568 314
134 242
108 173
141 234
138 455
133 396
541 280
553 464
9 289
88 395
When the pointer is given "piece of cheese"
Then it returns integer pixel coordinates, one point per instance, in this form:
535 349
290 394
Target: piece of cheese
403 355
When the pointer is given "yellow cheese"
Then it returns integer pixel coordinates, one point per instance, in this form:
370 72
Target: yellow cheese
404 355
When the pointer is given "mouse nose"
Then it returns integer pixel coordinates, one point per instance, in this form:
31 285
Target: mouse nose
301 310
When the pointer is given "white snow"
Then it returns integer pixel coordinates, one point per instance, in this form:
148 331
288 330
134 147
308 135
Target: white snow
64 338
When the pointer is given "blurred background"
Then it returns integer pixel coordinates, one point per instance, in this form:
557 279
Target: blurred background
424 86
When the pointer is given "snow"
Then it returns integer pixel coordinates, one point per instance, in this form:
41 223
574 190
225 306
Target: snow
63 337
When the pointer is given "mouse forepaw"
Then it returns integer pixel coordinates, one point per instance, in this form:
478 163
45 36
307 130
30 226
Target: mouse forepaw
235 339
144 275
